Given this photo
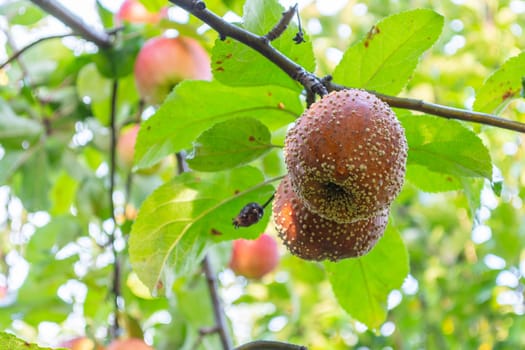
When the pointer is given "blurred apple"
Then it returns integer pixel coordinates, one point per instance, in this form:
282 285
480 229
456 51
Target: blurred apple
254 258
163 62
80 343
126 145
3 292
133 11
129 344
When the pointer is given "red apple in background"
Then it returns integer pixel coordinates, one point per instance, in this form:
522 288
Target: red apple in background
126 145
133 11
80 343
3 292
254 258
164 62
129 344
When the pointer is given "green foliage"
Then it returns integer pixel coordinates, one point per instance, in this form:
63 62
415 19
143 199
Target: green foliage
504 85
441 152
15 130
459 217
11 342
385 59
18 12
229 144
185 115
191 211
371 278
237 65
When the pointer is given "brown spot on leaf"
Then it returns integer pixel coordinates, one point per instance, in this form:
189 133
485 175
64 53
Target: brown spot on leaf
215 232
218 62
508 94
219 69
236 192
159 285
251 138
280 105
230 55
371 34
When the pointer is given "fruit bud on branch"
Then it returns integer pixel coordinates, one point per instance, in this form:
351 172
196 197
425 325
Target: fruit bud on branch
283 23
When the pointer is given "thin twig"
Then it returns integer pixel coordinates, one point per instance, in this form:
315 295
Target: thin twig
312 83
299 36
36 42
116 289
220 326
451 112
259 43
283 23
204 332
64 15
270 345
23 67
220 319
182 165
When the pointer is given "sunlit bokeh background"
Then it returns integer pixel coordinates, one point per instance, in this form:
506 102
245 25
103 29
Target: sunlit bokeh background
465 289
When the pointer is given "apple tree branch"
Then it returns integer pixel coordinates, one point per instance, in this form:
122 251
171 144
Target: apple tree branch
64 15
318 86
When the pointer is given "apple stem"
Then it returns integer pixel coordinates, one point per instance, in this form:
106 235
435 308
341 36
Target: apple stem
268 201
220 319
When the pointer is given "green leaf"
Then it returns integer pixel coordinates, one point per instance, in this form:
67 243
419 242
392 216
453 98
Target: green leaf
507 226
117 62
234 5
362 285
385 59
445 146
106 16
48 59
10 162
92 199
431 181
502 86
153 5
179 219
229 144
22 13
233 63
45 304
11 342
63 194
15 130
60 231
91 84
35 185
195 106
